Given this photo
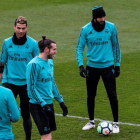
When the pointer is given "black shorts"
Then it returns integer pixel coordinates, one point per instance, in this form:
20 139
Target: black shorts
21 90
108 77
44 122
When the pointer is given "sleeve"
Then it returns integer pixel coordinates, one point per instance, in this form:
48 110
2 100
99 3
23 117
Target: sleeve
55 90
35 50
4 54
13 108
3 59
80 47
116 47
56 93
31 76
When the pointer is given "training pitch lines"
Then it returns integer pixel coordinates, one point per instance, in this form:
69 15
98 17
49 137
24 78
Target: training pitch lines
78 117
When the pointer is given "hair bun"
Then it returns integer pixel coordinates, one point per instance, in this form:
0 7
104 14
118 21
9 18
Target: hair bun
43 37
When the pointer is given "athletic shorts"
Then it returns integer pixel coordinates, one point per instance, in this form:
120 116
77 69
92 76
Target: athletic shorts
21 90
44 122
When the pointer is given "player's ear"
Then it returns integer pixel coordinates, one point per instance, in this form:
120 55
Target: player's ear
46 49
14 27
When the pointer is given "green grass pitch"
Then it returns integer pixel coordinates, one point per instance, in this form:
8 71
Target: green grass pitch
61 20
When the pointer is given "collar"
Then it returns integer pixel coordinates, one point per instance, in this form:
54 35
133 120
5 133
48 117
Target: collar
17 41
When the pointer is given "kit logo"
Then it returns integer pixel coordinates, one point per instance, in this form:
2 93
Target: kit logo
27 47
106 31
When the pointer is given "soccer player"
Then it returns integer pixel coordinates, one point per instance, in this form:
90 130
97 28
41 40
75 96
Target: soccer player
16 52
9 111
104 56
42 89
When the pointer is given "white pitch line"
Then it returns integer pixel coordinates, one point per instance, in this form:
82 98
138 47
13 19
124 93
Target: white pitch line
78 117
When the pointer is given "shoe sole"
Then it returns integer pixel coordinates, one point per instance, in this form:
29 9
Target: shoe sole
89 128
116 132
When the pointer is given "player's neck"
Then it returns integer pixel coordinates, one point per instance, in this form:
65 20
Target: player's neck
43 56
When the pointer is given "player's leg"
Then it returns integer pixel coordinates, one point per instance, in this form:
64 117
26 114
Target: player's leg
44 122
25 113
92 79
51 117
109 79
47 137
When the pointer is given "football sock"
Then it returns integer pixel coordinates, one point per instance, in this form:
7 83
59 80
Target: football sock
91 121
115 122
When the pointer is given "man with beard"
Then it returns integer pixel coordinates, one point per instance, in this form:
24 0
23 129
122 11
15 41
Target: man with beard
16 52
104 56
42 89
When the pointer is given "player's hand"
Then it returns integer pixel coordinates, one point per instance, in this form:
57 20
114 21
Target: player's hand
64 108
47 109
82 71
117 71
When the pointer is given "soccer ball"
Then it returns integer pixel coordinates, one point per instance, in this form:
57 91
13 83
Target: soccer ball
105 128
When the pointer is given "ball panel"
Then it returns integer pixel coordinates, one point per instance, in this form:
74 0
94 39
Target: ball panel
110 127
105 131
104 124
99 129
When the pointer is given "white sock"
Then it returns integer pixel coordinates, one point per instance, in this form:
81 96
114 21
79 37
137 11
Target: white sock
91 121
115 122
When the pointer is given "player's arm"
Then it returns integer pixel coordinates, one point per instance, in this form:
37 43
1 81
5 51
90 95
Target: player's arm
80 47
79 51
116 47
35 49
4 54
55 90
13 108
59 98
3 59
31 76
56 93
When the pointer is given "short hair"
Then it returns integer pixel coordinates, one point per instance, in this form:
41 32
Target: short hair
45 42
21 20
1 67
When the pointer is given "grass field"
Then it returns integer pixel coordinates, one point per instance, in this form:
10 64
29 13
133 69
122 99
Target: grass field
61 21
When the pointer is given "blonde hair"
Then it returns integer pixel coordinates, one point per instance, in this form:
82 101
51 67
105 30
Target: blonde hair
21 20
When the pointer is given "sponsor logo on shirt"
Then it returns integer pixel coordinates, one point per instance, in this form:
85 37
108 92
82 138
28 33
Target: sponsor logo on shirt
17 57
45 80
99 41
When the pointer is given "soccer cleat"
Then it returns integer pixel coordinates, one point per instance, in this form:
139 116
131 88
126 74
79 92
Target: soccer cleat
88 126
116 128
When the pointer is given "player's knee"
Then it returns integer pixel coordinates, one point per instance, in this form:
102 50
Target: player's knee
113 98
47 136
112 94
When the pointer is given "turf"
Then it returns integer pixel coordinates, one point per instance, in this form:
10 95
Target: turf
61 21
